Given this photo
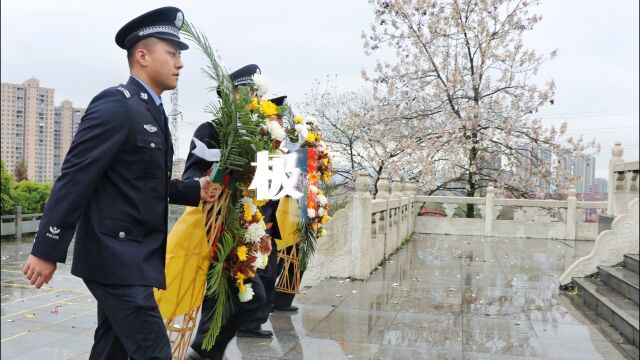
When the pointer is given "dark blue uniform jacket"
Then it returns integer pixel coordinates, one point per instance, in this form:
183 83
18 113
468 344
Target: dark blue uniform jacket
114 191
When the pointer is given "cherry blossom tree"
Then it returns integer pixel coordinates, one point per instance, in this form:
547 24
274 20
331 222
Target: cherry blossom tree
459 77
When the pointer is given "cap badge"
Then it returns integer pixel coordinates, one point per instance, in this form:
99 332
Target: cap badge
179 19
144 95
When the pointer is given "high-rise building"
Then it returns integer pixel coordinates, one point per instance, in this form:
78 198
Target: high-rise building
600 185
66 121
35 132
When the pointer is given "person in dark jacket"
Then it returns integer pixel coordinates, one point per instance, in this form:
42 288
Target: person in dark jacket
201 157
113 194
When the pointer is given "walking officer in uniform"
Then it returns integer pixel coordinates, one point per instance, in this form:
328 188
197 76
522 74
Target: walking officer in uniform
206 140
113 193
253 326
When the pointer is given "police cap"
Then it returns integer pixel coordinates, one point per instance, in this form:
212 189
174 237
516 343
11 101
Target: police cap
163 23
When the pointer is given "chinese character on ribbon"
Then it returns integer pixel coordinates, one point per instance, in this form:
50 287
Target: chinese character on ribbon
275 177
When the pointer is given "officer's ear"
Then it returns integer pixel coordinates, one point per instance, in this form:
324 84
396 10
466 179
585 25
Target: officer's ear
139 53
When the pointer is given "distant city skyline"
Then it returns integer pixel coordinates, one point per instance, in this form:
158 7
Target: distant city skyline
596 70
36 133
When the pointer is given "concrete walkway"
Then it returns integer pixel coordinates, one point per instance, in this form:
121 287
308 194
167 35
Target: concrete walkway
438 297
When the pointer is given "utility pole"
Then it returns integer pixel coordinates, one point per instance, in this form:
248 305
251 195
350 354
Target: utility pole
175 116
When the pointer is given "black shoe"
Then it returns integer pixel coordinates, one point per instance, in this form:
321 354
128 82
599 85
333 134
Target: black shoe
254 333
290 308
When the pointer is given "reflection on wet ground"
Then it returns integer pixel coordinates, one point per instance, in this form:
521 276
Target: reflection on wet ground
438 297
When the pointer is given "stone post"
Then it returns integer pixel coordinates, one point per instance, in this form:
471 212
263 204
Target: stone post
396 194
571 213
361 227
409 189
18 222
616 157
383 187
489 211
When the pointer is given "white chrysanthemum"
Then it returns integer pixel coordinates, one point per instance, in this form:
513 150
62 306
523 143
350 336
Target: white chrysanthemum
311 212
252 206
247 294
302 130
261 84
313 189
320 212
322 147
261 261
276 131
322 200
254 233
311 121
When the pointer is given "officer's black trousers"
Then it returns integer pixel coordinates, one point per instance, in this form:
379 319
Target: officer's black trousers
129 324
268 278
241 312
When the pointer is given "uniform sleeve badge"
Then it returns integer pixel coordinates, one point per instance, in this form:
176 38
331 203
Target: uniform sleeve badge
150 128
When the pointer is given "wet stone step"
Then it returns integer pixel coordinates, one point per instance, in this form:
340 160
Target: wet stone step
631 262
610 305
622 280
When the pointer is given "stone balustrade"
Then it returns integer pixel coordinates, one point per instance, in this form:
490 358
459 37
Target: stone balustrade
546 219
360 236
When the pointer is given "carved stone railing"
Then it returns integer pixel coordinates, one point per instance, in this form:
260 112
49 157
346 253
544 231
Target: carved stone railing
360 236
622 238
547 219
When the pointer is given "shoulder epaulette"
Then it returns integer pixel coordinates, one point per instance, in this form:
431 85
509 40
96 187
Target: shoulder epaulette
124 92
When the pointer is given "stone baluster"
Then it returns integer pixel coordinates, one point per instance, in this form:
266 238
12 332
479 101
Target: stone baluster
396 196
571 213
361 226
489 214
620 194
616 157
383 187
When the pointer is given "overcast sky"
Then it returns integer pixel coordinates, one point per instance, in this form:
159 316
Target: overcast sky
69 46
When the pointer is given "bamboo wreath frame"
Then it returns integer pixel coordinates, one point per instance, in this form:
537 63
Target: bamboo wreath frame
287 284
180 328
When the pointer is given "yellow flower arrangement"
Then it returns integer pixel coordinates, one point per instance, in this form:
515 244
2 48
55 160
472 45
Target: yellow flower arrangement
298 120
247 212
311 137
254 104
240 281
242 253
268 108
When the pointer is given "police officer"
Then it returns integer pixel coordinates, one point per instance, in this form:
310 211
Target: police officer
195 167
253 326
113 194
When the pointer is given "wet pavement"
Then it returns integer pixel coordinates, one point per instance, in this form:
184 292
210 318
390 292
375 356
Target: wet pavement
438 297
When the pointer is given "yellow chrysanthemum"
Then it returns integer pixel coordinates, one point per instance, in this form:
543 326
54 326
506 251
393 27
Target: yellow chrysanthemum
326 176
314 226
259 203
242 253
311 137
298 120
268 108
324 219
254 104
325 161
247 212
259 215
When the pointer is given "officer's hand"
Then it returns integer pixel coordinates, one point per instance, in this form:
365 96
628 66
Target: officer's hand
208 191
38 271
